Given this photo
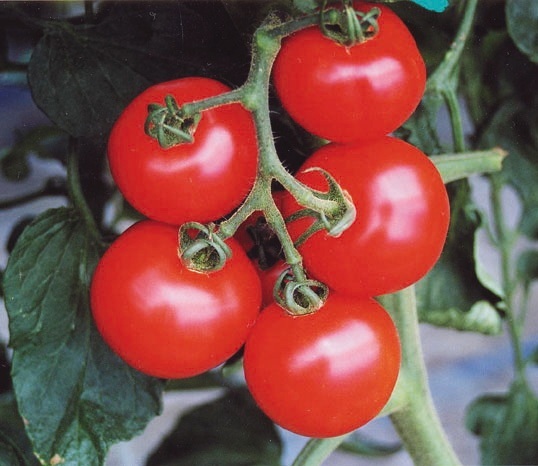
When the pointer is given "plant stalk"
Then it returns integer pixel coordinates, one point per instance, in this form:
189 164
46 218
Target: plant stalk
417 421
317 450
76 195
505 242
444 80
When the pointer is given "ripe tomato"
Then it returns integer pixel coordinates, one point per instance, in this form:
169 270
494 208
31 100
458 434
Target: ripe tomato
402 217
268 278
163 319
323 374
351 93
199 181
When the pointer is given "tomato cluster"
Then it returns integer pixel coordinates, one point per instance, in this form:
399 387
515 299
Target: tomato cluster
323 373
158 315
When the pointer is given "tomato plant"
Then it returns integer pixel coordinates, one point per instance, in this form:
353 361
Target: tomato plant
170 304
202 180
402 217
346 93
326 373
164 319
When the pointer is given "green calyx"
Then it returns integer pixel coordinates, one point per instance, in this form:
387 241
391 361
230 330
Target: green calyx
299 297
347 26
201 249
335 220
169 124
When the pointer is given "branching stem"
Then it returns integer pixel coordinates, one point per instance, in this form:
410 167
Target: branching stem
505 240
444 80
254 96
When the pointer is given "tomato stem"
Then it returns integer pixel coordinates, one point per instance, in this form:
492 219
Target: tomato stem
334 205
75 192
505 241
317 450
348 27
416 421
461 165
444 80
206 251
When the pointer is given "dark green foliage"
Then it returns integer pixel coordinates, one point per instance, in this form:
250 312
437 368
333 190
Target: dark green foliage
230 431
507 425
92 398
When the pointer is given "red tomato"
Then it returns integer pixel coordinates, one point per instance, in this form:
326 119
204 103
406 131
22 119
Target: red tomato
268 278
327 373
163 319
351 93
200 181
402 220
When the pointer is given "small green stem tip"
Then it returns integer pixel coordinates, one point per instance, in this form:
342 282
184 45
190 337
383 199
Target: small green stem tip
169 124
203 251
348 27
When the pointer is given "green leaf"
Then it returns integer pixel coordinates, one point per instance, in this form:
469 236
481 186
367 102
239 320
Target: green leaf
481 318
527 265
507 426
522 25
421 129
230 431
76 396
78 83
485 412
83 76
15 447
454 294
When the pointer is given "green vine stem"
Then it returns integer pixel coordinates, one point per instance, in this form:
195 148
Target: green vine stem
461 165
505 241
76 195
317 450
254 95
417 421
444 80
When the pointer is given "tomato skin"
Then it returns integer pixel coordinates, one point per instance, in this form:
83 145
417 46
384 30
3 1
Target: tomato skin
199 181
346 94
268 278
327 373
164 319
403 215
